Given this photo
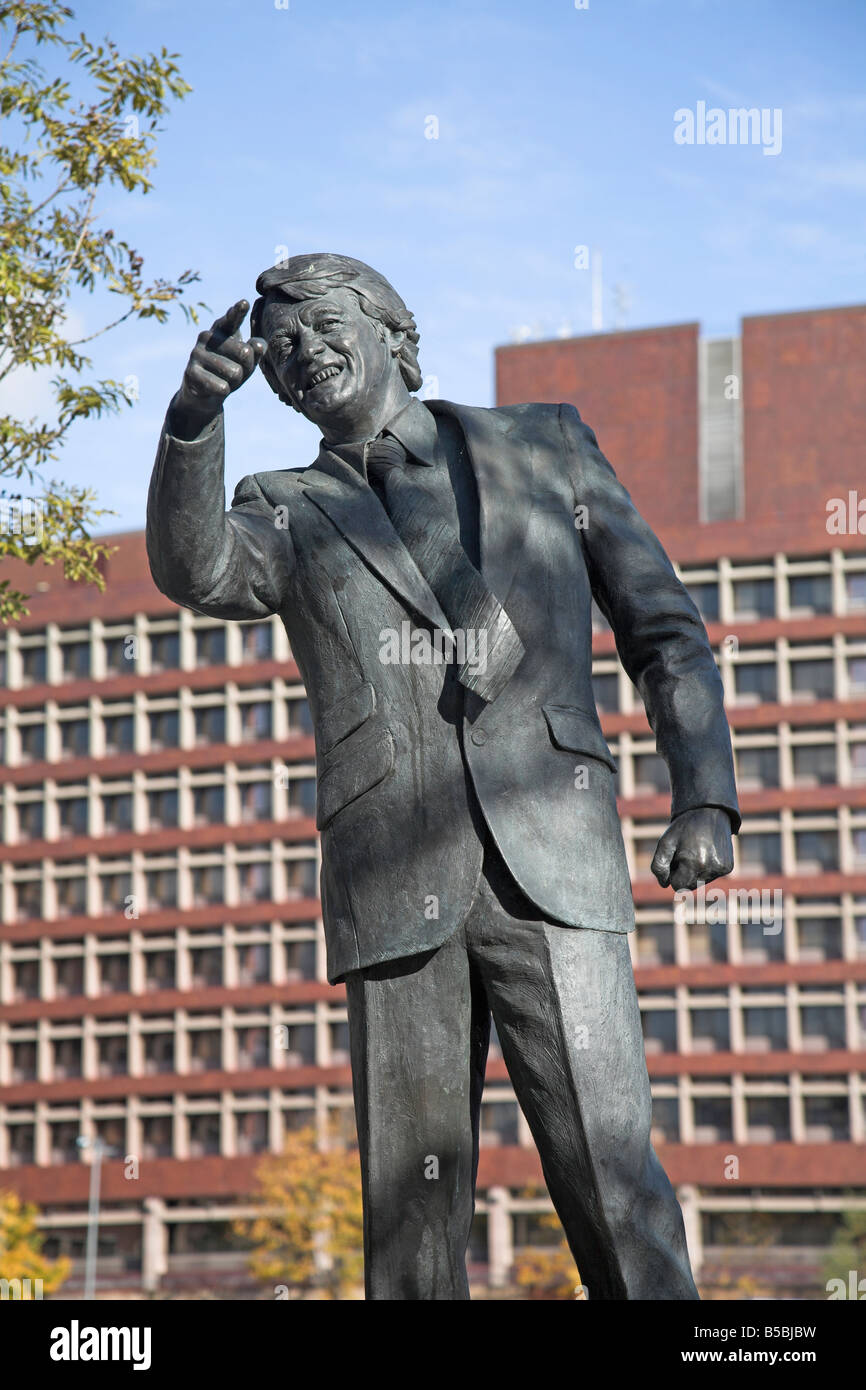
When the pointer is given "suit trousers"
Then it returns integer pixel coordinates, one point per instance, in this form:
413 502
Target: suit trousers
567 1017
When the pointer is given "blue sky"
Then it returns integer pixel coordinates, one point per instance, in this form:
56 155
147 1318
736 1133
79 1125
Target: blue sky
306 129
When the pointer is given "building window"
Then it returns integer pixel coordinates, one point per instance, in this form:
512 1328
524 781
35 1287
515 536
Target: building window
817 851
28 900
158 1053
63 1142
22 1145
67 1059
74 738
205 1050
121 656
754 598
300 718
68 976
708 942
812 680
810 593
755 682
116 891
159 970
665 1120
32 738
117 813
768 1120
119 733
605 687
814 765
823 1027
301 960
254 882
252 1132
757 768
253 1048
207 885
301 1050
255 801
210 646
209 805
826 1119
71 896
210 724
760 852
25 980
710 1030
24 1062
161 888
31 820
33 666
114 975
762 942
164 651
855 590
712 1115
256 721
204 1135
257 641
74 661
164 729
706 599
162 808
72 816
651 775
819 938
765 1029
659 1030
156 1137
206 964
254 964
302 796
498 1123
301 878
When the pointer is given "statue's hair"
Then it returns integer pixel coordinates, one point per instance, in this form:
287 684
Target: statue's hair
307 277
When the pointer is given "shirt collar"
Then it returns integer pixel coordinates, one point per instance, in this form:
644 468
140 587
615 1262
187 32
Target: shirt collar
415 428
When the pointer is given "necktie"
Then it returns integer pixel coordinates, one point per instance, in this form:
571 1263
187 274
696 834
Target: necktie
408 493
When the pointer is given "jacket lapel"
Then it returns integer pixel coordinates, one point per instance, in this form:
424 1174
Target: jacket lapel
504 478
352 505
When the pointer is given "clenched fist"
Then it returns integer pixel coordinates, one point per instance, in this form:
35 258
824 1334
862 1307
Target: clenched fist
696 848
219 363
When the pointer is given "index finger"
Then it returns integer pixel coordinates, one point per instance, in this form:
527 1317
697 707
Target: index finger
229 322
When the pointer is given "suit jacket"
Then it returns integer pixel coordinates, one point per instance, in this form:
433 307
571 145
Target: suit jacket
401 849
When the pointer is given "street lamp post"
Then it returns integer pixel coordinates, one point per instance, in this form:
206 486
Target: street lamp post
90 1253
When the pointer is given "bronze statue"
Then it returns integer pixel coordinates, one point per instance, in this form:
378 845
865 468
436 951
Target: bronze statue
436 592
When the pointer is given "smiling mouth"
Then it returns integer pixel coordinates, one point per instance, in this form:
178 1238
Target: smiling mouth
324 375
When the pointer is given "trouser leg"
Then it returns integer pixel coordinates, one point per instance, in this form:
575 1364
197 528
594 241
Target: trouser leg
418 1029
566 1012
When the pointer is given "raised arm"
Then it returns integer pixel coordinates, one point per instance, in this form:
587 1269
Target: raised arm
233 564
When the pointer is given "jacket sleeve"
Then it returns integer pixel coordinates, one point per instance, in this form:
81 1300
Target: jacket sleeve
233 564
660 638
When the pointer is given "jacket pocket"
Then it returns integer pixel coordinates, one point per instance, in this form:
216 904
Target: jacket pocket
345 717
578 732
354 767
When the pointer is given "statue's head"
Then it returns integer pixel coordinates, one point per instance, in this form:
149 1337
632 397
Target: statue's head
340 339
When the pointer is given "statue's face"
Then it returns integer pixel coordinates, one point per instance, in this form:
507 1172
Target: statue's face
332 360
